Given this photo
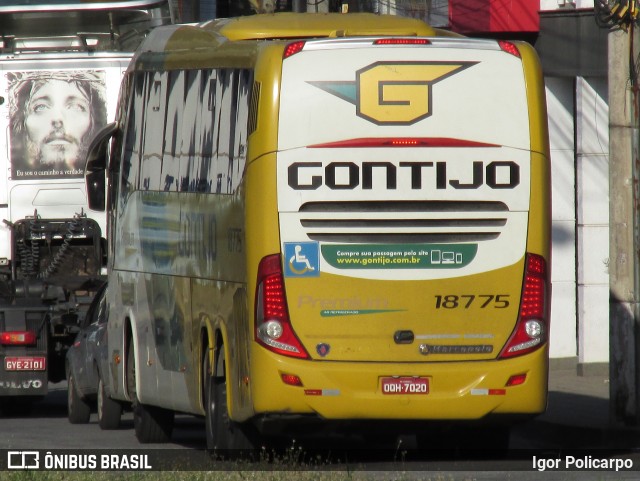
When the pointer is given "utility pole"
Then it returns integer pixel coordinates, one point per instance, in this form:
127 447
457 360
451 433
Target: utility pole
624 311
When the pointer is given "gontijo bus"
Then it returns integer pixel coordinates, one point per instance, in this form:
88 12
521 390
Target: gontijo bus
333 218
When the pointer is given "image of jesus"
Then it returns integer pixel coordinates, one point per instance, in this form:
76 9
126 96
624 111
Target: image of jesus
53 117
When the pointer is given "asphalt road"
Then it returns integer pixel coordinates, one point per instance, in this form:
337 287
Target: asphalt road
47 428
41 428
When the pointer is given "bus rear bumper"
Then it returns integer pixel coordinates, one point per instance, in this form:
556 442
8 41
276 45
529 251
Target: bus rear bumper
472 390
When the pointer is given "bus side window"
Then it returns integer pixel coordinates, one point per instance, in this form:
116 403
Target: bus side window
114 169
189 156
245 85
205 141
226 126
131 154
153 131
169 176
117 144
216 87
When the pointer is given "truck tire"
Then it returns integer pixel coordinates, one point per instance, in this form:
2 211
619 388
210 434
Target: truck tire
78 410
109 411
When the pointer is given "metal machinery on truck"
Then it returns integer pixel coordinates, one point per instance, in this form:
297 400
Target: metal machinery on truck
61 63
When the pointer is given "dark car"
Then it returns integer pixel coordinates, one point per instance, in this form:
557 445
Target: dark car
87 368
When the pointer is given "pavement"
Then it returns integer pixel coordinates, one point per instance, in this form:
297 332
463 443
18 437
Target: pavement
578 415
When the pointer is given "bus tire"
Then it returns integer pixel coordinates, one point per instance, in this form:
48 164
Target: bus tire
224 436
109 411
78 410
152 424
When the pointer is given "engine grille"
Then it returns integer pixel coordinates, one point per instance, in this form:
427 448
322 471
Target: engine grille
403 221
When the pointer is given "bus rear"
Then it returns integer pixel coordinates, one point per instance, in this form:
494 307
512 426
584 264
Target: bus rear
411 276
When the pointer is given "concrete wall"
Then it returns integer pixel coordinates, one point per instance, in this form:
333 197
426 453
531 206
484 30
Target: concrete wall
560 106
579 138
592 170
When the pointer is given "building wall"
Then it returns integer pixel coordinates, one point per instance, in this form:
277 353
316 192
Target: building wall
493 16
576 81
592 173
560 106
578 134
565 4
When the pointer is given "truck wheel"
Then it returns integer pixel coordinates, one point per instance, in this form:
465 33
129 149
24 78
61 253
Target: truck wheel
152 424
78 410
108 410
225 436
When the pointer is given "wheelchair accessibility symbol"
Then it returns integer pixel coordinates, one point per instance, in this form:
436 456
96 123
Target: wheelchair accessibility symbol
302 259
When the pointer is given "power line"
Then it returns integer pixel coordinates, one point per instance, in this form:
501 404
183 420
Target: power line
616 13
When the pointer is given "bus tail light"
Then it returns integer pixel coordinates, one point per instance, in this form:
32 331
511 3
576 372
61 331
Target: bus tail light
273 328
509 47
516 380
293 48
531 330
18 338
402 41
291 380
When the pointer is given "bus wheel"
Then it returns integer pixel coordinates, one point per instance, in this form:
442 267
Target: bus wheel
108 410
78 410
226 437
152 424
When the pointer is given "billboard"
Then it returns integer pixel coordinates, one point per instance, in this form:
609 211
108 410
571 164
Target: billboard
53 114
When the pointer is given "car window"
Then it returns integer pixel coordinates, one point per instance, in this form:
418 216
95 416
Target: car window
102 308
96 309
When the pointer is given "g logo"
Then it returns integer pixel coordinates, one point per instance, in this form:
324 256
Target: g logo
399 93
394 93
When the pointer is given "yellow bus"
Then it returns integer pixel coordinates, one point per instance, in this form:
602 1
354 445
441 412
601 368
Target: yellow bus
342 219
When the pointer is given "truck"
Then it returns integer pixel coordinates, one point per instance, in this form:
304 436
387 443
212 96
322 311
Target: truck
61 64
